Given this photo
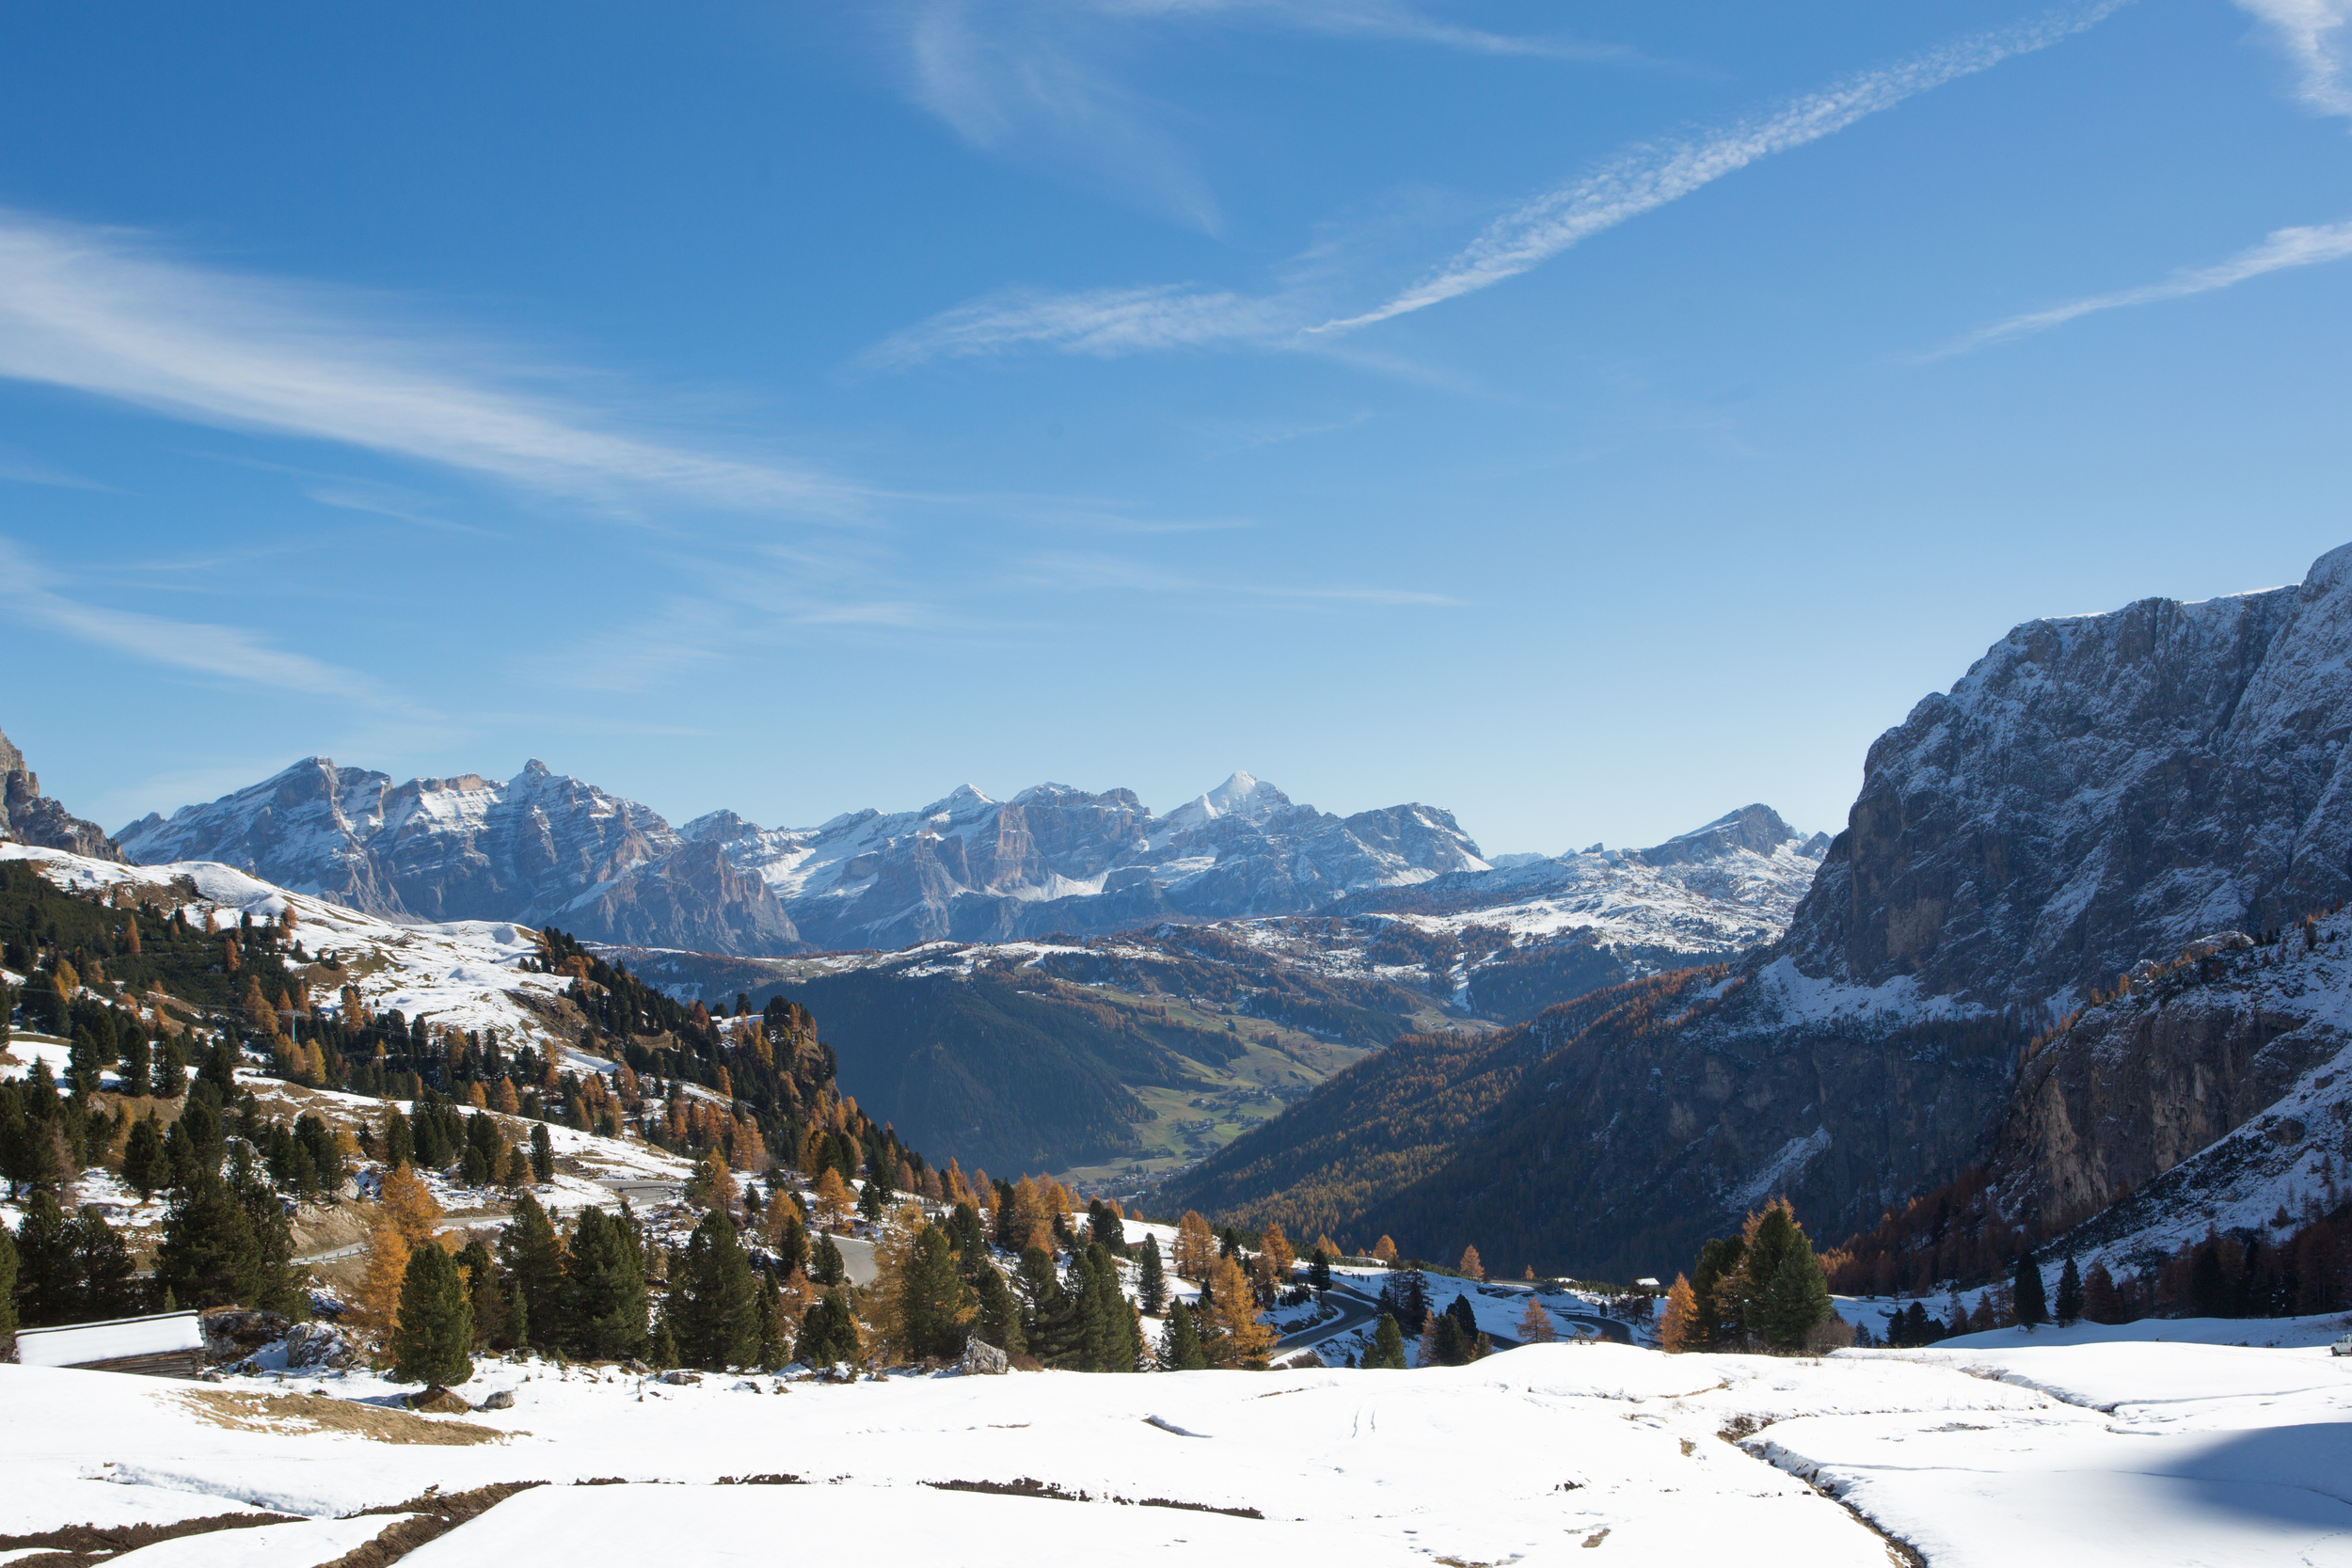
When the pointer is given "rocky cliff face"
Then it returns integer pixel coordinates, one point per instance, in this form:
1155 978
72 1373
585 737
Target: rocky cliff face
2096 791
28 817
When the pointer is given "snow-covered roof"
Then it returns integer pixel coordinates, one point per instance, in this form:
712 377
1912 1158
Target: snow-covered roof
79 1345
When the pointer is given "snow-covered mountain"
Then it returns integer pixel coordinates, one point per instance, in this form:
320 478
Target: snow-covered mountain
545 848
538 847
2096 791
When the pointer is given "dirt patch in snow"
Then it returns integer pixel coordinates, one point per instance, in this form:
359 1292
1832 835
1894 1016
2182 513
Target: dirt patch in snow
426 1517
297 1413
77 1545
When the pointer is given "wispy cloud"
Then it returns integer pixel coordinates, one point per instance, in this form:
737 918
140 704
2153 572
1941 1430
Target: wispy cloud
1047 80
2285 247
1647 178
1110 322
32 594
1103 323
101 313
2317 37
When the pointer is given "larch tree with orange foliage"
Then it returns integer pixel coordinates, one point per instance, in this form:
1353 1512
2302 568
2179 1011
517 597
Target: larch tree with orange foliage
1384 1251
829 1203
1535 1326
1679 1328
1196 1246
1470 1267
405 1217
1239 1339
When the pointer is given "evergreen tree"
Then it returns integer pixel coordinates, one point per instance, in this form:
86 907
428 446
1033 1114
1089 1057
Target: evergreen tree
2102 1301
710 1306
1180 1341
48 1286
1319 1273
208 1255
7 1254
2031 1304
482 1293
279 1285
1150 1279
171 1069
2070 1295
433 1340
139 1067
825 1265
1105 1227
400 1139
871 1199
1452 1350
1714 1320
662 1347
145 1168
999 1318
936 1304
542 1154
1388 1345
608 1288
827 1333
769 1309
103 1269
1794 1299
532 1254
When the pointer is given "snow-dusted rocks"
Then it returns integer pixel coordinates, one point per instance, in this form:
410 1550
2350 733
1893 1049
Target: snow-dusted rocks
28 817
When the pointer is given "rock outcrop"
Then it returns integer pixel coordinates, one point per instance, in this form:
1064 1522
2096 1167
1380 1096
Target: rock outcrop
28 817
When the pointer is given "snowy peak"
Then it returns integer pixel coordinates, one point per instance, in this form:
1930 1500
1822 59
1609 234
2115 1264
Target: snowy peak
1241 795
1756 829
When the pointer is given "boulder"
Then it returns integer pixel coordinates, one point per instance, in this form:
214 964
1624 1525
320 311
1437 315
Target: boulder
681 1378
317 1344
983 1359
503 1400
434 1400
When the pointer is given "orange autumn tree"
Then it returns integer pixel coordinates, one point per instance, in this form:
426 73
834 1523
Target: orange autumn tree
1196 1247
1384 1251
1470 1267
1535 1324
1239 1339
1678 1328
831 1203
405 1217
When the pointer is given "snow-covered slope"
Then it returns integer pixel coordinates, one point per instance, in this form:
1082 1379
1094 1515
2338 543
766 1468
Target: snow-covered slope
2088 1455
466 974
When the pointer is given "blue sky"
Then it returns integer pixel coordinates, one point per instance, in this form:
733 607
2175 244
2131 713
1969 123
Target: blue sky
1586 417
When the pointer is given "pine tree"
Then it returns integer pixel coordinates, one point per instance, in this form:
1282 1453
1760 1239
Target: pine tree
1151 1282
208 1255
1388 1345
999 1318
2031 1304
2070 1295
1319 1272
828 1334
47 1286
710 1306
936 1304
171 1071
1795 1300
144 1167
825 1263
433 1342
772 1353
2103 1303
607 1270
7 1250
103 1270
662 1347
532 1253
1715 1290
542 1154
1179 1342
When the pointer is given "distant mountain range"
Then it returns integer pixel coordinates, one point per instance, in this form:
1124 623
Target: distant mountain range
545 848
